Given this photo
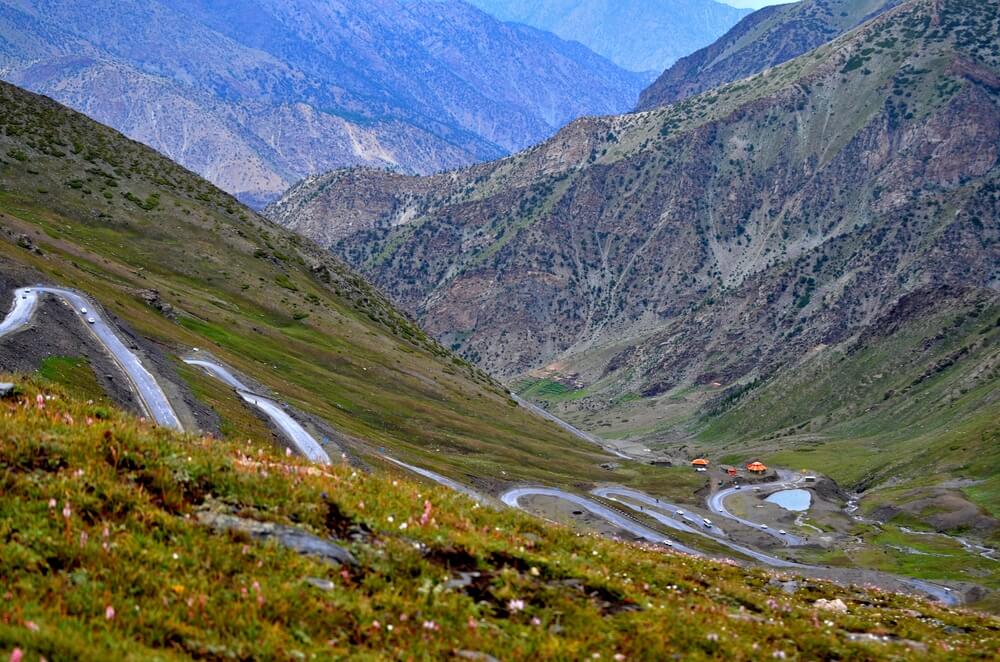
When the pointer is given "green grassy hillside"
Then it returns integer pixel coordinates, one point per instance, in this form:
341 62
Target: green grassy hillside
82 206
107 555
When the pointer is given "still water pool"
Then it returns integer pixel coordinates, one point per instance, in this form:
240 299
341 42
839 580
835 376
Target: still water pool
797 500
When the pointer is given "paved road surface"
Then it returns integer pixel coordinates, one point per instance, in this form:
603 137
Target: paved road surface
573 430
717 504
664 513
151 396
303 442
513 497
438 478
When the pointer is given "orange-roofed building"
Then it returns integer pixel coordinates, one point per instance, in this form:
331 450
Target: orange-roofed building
700 462
756 467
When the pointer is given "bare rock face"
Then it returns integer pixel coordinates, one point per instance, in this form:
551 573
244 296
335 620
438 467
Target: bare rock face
256 95
715 241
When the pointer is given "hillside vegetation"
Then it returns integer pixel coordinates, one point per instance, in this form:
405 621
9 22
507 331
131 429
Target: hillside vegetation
800 266
113 550
766 38
182 265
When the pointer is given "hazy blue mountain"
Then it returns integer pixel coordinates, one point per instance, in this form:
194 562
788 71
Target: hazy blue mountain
639 35
256 94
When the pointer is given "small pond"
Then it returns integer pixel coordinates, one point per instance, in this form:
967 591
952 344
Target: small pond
797 500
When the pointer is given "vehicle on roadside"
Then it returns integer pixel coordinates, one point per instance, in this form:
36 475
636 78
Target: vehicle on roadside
707 522
83 311
736 487
91 320
782 532
680 512
764 526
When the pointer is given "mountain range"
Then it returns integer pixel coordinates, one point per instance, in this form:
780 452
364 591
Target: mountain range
635 34
804 262
763 39
256 95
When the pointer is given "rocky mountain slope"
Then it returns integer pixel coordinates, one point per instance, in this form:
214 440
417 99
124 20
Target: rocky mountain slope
634 34
256 95
182 267
764 39
805 262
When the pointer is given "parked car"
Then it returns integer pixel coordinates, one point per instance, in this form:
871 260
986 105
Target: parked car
764 526
782 532
91 320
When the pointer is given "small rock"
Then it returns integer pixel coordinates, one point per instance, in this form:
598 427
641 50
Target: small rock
321 584
836 605
286 536
476 656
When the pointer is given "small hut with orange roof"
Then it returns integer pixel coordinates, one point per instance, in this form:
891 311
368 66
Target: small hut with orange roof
756 467
700 463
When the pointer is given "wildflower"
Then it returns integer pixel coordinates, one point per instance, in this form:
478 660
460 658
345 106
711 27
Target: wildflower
426 517
17 653
245 550
534 571
619 657
40 401
67 512
109 612
31 625
389 627
288 452
473 624
431 625
52 504
536 621
391 519
376 625
83 538
515 606
402 527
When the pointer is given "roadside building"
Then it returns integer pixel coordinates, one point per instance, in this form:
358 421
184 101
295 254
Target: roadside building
756 467
700 463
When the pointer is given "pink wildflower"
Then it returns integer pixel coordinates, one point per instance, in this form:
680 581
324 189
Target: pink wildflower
109 612
67 512
431 625
17 653
83 538
52 504
473 623
536 621
515 606
40 401
376 625
106 533
288 452
426 517
31 625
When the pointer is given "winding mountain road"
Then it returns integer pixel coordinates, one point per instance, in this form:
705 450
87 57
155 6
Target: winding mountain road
717 504
303 442
572 429
155 402
438 478
513 497
152 398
